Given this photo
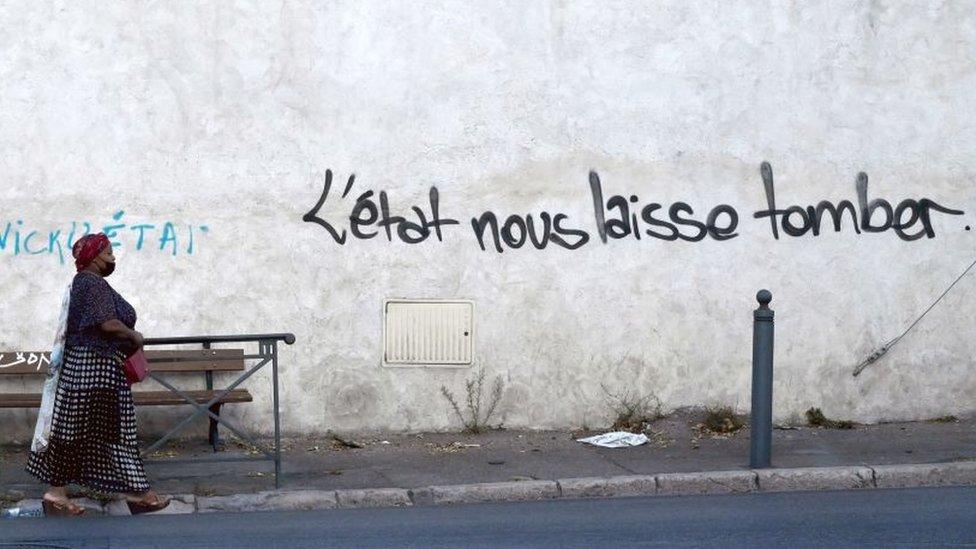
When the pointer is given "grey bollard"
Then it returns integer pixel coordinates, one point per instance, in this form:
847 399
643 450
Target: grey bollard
761 435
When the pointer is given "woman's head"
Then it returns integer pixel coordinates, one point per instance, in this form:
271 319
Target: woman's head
93 253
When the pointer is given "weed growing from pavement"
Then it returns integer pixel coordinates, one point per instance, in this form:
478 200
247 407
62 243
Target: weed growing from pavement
632 411
816 418
722 419
7 500
944 419
103 498
473 421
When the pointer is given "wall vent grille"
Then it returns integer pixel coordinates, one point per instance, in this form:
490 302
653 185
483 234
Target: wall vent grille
428 332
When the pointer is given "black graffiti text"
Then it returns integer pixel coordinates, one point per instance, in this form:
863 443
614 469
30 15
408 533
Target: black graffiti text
518 230
875 215
371 214
720 224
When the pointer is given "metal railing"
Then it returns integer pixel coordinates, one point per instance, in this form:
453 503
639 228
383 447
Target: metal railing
267 354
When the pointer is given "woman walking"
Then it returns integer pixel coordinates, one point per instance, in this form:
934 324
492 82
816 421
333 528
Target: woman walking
92 439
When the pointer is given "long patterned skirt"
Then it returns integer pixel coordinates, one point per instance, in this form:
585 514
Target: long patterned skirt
93 428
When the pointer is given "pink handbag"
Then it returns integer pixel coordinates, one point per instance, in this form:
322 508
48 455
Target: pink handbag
136 367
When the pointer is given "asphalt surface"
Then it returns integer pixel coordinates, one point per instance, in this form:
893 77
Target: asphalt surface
876 518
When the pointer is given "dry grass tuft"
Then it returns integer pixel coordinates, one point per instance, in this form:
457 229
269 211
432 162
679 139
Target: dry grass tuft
474 421
722 420
816 418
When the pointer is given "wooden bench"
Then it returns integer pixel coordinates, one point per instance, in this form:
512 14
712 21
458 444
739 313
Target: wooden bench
206 361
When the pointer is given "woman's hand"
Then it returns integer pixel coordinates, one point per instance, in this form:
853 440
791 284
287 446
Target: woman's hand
137 340
130 340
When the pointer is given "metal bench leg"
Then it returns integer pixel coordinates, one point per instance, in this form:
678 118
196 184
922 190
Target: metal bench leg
214 436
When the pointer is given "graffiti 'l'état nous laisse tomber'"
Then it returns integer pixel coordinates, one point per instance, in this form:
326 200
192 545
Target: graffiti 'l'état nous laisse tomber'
620 216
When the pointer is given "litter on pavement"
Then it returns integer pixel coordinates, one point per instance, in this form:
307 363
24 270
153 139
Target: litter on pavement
615 439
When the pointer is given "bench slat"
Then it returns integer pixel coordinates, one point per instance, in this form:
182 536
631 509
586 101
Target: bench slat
196 360
141 398
197 366
163 398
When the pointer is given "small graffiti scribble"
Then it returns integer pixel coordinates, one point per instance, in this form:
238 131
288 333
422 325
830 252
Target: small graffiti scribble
39 360
166 237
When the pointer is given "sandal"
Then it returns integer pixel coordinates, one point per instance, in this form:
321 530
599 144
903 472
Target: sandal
61 508
149 504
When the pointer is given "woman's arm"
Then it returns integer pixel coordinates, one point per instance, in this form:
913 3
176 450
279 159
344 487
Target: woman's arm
115 329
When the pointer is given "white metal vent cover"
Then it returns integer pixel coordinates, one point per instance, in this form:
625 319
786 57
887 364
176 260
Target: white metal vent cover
428 332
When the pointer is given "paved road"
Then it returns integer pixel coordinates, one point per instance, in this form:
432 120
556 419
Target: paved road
916 517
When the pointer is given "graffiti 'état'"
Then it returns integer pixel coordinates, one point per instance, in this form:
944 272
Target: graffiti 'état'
167 237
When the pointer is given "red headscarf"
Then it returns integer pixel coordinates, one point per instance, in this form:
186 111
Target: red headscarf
87 248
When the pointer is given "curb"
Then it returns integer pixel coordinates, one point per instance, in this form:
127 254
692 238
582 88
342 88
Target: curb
528 490
961 473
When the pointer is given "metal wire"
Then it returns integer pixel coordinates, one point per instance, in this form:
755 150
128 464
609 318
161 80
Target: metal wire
877 354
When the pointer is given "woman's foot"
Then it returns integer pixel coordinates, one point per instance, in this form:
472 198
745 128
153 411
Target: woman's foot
56 505
146 502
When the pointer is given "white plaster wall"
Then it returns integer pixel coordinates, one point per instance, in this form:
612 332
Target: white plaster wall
227 114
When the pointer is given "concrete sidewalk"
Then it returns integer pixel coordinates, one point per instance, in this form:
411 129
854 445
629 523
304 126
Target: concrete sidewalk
514 465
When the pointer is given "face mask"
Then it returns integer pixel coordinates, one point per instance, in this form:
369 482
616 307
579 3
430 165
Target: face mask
109 269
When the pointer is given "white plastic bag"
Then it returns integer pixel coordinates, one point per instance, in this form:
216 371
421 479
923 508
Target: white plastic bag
42 429
615 439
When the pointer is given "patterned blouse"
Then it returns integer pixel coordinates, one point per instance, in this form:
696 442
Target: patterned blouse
93 302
